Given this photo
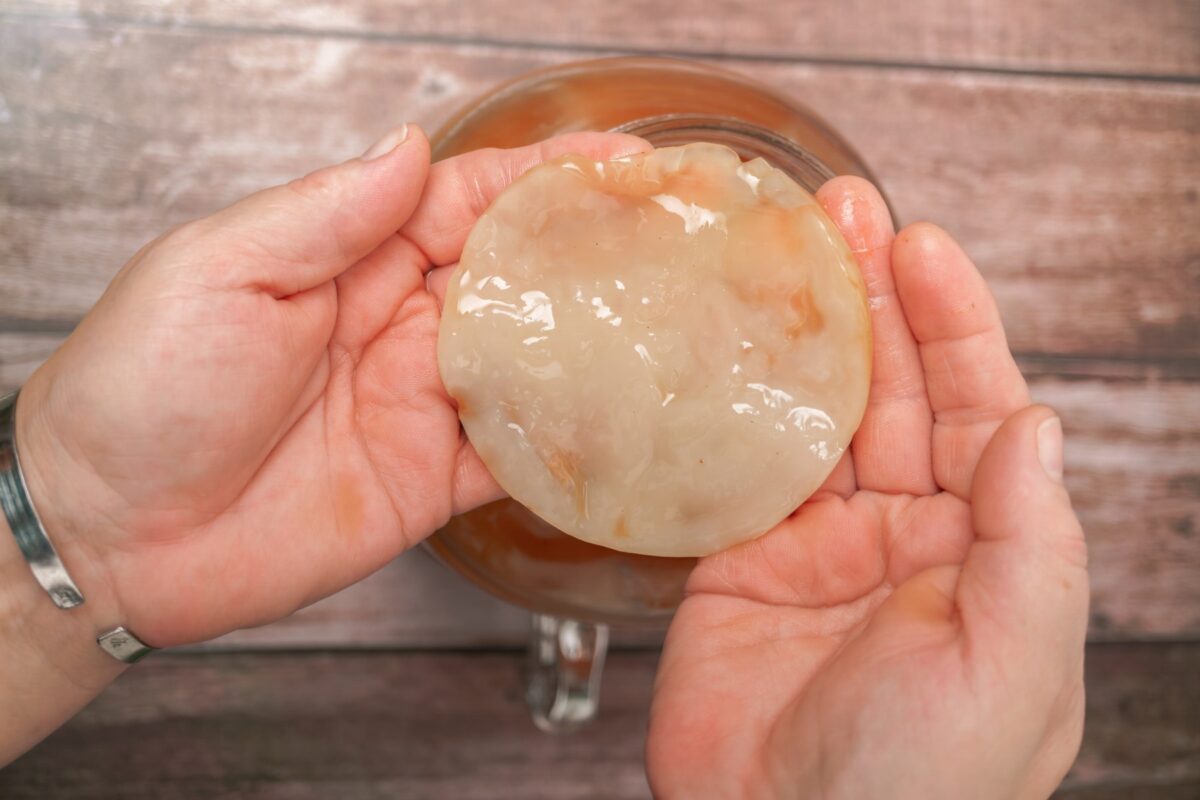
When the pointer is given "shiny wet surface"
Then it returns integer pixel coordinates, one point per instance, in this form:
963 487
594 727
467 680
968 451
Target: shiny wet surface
663 354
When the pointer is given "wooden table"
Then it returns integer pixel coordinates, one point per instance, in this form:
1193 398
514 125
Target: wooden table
1060 141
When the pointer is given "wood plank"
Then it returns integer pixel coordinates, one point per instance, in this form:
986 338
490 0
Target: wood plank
1135 484
1077 198
346 726
1132 440
358 725
1187 790
21 354
1152 37
1141 737
1029 175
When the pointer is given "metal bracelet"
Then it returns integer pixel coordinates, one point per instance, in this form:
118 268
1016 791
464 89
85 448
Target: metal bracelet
23 517
35 545
121 644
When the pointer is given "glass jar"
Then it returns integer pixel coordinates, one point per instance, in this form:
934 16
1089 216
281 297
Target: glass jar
576 589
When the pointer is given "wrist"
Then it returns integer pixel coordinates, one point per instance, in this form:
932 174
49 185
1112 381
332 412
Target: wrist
43 634
56 483
26 599
51 665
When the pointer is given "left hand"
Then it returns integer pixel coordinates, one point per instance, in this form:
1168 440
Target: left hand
915 629
251 417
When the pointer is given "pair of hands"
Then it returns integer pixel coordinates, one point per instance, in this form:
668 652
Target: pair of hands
251 418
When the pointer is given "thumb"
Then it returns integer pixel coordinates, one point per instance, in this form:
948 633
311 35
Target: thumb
1025 576
310 230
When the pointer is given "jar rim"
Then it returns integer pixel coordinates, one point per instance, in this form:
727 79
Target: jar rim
745 138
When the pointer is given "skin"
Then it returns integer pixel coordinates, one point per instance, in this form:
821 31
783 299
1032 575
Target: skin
251 418
916 629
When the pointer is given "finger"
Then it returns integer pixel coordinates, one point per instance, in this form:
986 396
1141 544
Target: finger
289 238
920 533
841 481
891 448
438 280
474 485
1025 577
826 554
461 188
924 601
971 379
371 293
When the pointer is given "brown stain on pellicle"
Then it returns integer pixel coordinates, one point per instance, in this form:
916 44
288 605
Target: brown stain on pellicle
621 531
564 467
808 316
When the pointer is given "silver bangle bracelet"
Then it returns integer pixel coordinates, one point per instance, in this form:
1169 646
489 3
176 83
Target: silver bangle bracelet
48 569
23 519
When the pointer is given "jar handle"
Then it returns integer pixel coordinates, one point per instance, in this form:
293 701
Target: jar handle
566 658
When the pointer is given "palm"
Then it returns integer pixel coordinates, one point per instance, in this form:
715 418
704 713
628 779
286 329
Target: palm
763 622
336 406
366 455
794 653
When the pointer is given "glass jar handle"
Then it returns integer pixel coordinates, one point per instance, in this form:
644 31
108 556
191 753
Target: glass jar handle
566 658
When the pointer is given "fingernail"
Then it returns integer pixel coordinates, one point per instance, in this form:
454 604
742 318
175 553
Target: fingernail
631 146
387 144
1050 447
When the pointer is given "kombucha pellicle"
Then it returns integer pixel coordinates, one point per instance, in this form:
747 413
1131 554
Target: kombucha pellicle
662 354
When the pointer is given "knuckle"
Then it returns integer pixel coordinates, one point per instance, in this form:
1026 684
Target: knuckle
474 176
1074 549
186 249
315 186
189 235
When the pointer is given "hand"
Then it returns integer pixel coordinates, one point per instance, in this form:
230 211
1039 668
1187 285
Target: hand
915 629
251 417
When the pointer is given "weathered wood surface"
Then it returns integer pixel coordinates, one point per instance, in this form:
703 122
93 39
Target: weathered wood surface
1142 734
1132 469
416 725
1059 140
1149 37
1077 197
379 725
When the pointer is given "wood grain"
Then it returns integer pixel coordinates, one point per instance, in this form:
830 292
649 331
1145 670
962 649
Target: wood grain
1151 37
1143 790
1132 441
1059 140
1077 198
1142 733
21 354
415 725
345 726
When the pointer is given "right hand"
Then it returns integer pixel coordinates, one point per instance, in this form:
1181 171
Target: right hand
251 417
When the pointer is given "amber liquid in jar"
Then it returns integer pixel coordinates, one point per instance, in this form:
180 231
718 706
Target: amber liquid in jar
502 546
